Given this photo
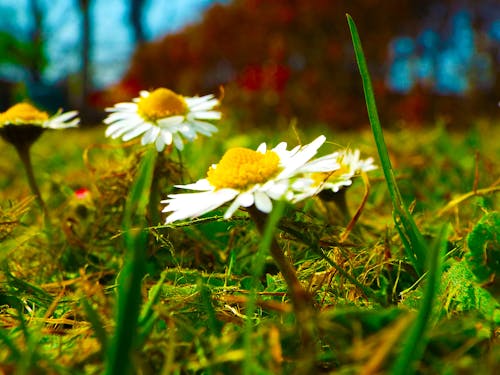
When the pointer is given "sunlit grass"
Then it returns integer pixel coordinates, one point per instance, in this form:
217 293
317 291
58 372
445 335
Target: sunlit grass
220 255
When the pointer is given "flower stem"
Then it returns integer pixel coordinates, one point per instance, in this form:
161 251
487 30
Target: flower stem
154 199
23 151
301 299
339 198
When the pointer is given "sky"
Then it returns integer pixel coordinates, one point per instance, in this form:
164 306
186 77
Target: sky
112 39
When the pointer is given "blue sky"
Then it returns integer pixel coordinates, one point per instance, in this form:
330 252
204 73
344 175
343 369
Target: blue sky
112 46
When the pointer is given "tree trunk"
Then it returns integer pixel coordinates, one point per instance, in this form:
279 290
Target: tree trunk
36 60
136 12
86 37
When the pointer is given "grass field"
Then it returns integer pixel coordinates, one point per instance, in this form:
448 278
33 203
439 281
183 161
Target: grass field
58 290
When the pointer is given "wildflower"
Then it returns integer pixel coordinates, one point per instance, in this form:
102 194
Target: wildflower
345 165
162 117
245 177
22 124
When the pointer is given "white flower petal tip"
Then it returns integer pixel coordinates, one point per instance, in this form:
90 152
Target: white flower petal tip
176 118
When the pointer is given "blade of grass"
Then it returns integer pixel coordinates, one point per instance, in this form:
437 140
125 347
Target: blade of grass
267 237
134 269
415 341
415 245
14 350
96 323
148 316
214 326
25 288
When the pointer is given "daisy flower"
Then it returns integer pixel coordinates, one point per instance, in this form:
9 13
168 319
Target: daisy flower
23 123
345 165
245 177
162 117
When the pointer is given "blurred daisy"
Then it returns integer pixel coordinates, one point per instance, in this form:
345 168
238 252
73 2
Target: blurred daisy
345 165
23 123
245 177
162 117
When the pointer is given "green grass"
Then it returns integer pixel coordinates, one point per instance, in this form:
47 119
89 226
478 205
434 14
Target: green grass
413 288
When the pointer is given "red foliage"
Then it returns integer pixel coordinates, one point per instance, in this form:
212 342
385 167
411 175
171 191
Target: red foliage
292 58
264 77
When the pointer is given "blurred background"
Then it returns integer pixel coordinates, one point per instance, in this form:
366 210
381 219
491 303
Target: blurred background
273 61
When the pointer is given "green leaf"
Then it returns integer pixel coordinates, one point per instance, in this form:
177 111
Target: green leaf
484 245
134 269
460 293
413 240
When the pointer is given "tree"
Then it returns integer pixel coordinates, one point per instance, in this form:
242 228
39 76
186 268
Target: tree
136 17
85 57
37 61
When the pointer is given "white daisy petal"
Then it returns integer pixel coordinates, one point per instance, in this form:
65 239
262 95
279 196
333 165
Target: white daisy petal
125 106
166 136
170 121
205 105
242 200
66 116
150 136
118 116
61 120
159 144
123 127
246 199
205 128
118 129
195 101
302 156
136 131
207 115
188 132
278 189
263 202
191 205
262 148
202 184
178 142
280 148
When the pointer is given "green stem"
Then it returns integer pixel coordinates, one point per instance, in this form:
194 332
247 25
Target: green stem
154 200
301 299
413 346
23 151
339 198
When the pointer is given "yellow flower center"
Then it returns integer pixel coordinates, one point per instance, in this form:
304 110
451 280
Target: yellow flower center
161 103
322 177
23 113
241 167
